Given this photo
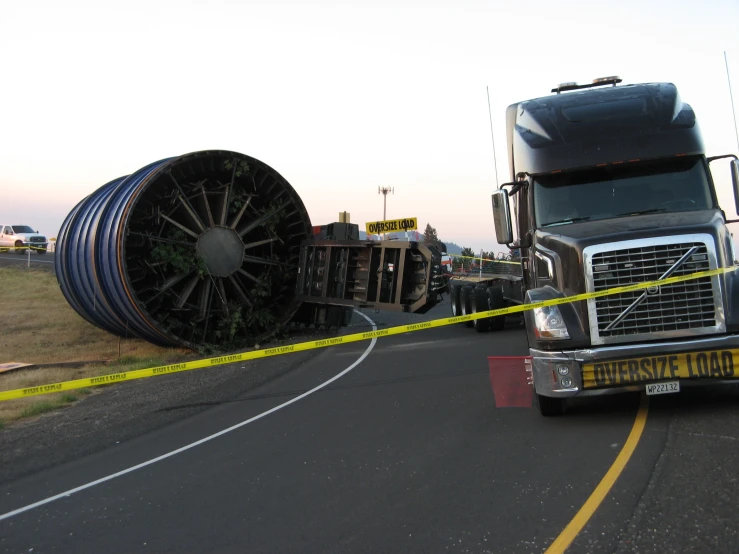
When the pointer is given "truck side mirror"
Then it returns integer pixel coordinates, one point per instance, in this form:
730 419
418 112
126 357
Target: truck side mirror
735 181
502 217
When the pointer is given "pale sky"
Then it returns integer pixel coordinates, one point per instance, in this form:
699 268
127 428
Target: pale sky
339 97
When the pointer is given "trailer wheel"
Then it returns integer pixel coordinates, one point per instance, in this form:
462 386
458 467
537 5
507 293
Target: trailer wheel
480 304
496 300
454 299
466 295
549 406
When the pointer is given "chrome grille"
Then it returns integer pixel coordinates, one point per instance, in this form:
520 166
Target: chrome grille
672 310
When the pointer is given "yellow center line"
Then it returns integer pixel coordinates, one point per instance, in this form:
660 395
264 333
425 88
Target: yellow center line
565 538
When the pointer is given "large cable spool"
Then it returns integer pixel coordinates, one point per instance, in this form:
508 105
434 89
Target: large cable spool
201 249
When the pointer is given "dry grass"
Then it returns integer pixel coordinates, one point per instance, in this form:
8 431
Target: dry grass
45 330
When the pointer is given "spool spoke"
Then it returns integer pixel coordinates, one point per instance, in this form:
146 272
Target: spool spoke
179 226
205 293
168 284
239 291
257 222
162 239
224 208
208 212
192 213
248 275
258 260
259 243
186 203
241 212
220 289
187 291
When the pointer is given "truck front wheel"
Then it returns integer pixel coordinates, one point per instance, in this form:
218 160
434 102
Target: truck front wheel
549 406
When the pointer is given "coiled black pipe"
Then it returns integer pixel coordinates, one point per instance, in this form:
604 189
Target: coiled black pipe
196 250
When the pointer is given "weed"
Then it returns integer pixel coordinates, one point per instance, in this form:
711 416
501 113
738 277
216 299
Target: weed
39 408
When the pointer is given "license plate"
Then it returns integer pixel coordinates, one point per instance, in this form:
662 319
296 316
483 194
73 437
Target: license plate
663 388
712 364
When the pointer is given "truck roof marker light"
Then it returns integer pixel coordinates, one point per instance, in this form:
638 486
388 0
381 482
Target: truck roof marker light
617 163
605 80
600 165
634 160
679 155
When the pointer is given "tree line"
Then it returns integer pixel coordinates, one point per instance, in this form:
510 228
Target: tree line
430 235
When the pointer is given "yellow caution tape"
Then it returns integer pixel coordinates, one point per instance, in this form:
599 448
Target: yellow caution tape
356 337
30 247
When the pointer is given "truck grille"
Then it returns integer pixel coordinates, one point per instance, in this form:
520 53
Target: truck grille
672 310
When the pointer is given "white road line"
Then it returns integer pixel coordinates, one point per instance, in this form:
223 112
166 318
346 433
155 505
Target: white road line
112 476
25 260
427 345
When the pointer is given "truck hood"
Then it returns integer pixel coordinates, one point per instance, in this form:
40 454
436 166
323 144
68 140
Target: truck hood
565 243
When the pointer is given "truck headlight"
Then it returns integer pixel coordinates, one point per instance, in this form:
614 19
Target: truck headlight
550 324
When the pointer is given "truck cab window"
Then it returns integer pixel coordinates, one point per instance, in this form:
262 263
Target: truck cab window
678 184
22 229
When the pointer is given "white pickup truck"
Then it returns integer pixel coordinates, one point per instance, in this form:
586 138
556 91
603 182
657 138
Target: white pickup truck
19 238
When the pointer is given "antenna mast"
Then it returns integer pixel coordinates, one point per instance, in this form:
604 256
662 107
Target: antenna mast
384 191
731 97
490 115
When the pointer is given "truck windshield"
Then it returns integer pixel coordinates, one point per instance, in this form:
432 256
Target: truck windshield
22 229
675 185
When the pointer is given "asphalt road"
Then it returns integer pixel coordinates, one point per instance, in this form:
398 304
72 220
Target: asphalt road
406 452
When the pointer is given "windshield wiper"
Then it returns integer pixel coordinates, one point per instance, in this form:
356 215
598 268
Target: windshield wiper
565 221
642 212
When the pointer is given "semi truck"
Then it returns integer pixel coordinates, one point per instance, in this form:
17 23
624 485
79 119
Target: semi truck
610 186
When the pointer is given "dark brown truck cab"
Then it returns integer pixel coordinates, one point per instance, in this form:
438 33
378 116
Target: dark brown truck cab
610 186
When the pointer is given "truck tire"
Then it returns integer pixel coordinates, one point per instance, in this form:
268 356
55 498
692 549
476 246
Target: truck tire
496 301
19 247
549 406
454 299
480 304
466 294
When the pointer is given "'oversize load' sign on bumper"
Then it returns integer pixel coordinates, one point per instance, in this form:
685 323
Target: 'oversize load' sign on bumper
392 225
722 364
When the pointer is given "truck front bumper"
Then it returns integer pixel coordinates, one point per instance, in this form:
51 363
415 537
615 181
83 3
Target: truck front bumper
36 245
548 381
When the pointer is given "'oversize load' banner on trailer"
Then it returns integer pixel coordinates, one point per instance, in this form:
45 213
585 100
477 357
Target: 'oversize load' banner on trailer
392 225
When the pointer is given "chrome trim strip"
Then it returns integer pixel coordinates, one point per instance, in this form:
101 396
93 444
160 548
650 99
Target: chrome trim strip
546 260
